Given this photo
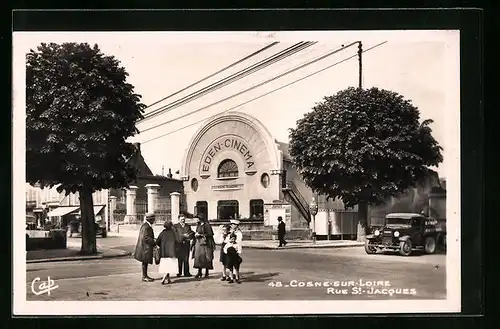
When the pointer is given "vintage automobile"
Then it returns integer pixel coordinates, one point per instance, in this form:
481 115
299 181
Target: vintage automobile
406 232
75 226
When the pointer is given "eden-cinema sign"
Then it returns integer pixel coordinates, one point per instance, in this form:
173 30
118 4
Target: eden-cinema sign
227 143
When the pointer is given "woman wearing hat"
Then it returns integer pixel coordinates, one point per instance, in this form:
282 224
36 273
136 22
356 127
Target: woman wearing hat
235 229
204 245
168 259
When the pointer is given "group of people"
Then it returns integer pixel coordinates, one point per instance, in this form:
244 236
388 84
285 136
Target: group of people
177 241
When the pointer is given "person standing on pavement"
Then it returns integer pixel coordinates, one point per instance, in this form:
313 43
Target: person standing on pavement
281 232
184 234
223 259
166 241
232 249
204 245
145 244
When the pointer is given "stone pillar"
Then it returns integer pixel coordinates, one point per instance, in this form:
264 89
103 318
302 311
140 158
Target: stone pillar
175 199
112 208
152 190
131 193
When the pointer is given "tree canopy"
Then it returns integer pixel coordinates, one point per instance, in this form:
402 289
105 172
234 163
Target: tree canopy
363 146
79 112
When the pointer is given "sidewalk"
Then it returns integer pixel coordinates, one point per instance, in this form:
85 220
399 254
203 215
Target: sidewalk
71 254
300 244
271 244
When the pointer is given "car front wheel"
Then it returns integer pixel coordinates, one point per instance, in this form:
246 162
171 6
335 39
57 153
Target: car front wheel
405 248
430 245
369 249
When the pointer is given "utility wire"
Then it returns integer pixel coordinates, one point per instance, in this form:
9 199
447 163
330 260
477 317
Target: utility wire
232 78
172 105
253 87
213 74
263 95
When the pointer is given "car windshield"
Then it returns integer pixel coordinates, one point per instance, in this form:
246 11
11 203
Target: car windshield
398 221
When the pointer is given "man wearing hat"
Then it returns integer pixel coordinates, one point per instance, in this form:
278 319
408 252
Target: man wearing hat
145 244
185 234
281 232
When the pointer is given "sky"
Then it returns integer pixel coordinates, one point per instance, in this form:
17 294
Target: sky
422 66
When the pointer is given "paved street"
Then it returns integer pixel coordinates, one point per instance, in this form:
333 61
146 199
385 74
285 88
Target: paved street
266 275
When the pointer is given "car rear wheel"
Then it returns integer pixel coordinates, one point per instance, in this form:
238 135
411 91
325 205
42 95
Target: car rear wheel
430 245
369 249
405 248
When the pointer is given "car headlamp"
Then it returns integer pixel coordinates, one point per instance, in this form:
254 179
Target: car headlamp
396 234
377 232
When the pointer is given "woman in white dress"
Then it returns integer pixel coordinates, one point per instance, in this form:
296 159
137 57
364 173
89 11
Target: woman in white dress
168 259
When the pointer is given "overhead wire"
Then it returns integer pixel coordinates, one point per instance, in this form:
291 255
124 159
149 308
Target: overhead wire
214 74
251 88
263 95
232 78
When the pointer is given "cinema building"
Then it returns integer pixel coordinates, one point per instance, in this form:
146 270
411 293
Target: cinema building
234 168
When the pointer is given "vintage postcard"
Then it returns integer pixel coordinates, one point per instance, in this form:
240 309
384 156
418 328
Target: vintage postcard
275 172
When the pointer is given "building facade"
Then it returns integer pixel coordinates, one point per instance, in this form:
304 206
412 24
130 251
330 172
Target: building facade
234 168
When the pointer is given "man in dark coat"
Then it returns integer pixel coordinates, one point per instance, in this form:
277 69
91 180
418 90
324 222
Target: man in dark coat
281 232
145 244
183 245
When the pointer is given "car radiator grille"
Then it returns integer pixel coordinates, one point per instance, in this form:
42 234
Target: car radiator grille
387 240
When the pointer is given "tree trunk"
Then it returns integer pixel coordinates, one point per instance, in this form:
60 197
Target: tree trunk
363 221
89 246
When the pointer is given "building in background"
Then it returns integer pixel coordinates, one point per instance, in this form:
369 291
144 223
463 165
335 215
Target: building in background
49 206
234 168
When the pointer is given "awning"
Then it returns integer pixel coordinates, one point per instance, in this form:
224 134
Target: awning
97 209
30 219
61 211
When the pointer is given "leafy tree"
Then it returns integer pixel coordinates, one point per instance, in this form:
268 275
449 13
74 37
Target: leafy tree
363 146
79 112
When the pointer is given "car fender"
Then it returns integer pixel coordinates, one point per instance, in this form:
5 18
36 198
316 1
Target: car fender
404 238
370 236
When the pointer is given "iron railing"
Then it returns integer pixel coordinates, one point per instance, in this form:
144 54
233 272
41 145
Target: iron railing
299 199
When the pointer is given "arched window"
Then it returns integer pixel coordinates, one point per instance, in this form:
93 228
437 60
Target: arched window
227 168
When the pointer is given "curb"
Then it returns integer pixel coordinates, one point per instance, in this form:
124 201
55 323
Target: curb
78 258
303 247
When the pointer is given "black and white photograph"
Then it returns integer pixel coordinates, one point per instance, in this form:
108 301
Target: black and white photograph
256 172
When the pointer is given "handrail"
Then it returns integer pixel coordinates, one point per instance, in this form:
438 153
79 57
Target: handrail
300 199
290 185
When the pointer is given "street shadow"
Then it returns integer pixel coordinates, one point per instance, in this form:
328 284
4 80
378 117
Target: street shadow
245 276
33 269
414 253
260 277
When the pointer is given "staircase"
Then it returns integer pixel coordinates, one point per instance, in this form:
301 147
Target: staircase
291 191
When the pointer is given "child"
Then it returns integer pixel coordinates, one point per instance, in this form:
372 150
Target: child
233 251
223 256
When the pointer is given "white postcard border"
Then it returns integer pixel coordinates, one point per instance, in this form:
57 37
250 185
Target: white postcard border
452 304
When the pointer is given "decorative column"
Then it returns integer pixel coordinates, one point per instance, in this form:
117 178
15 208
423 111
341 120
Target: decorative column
131 212
152 196
112 208
175 198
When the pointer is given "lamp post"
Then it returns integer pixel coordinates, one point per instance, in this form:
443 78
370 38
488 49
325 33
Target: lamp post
313 207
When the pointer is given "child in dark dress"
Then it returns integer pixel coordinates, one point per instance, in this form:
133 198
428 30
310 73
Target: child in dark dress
223 256
233 251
